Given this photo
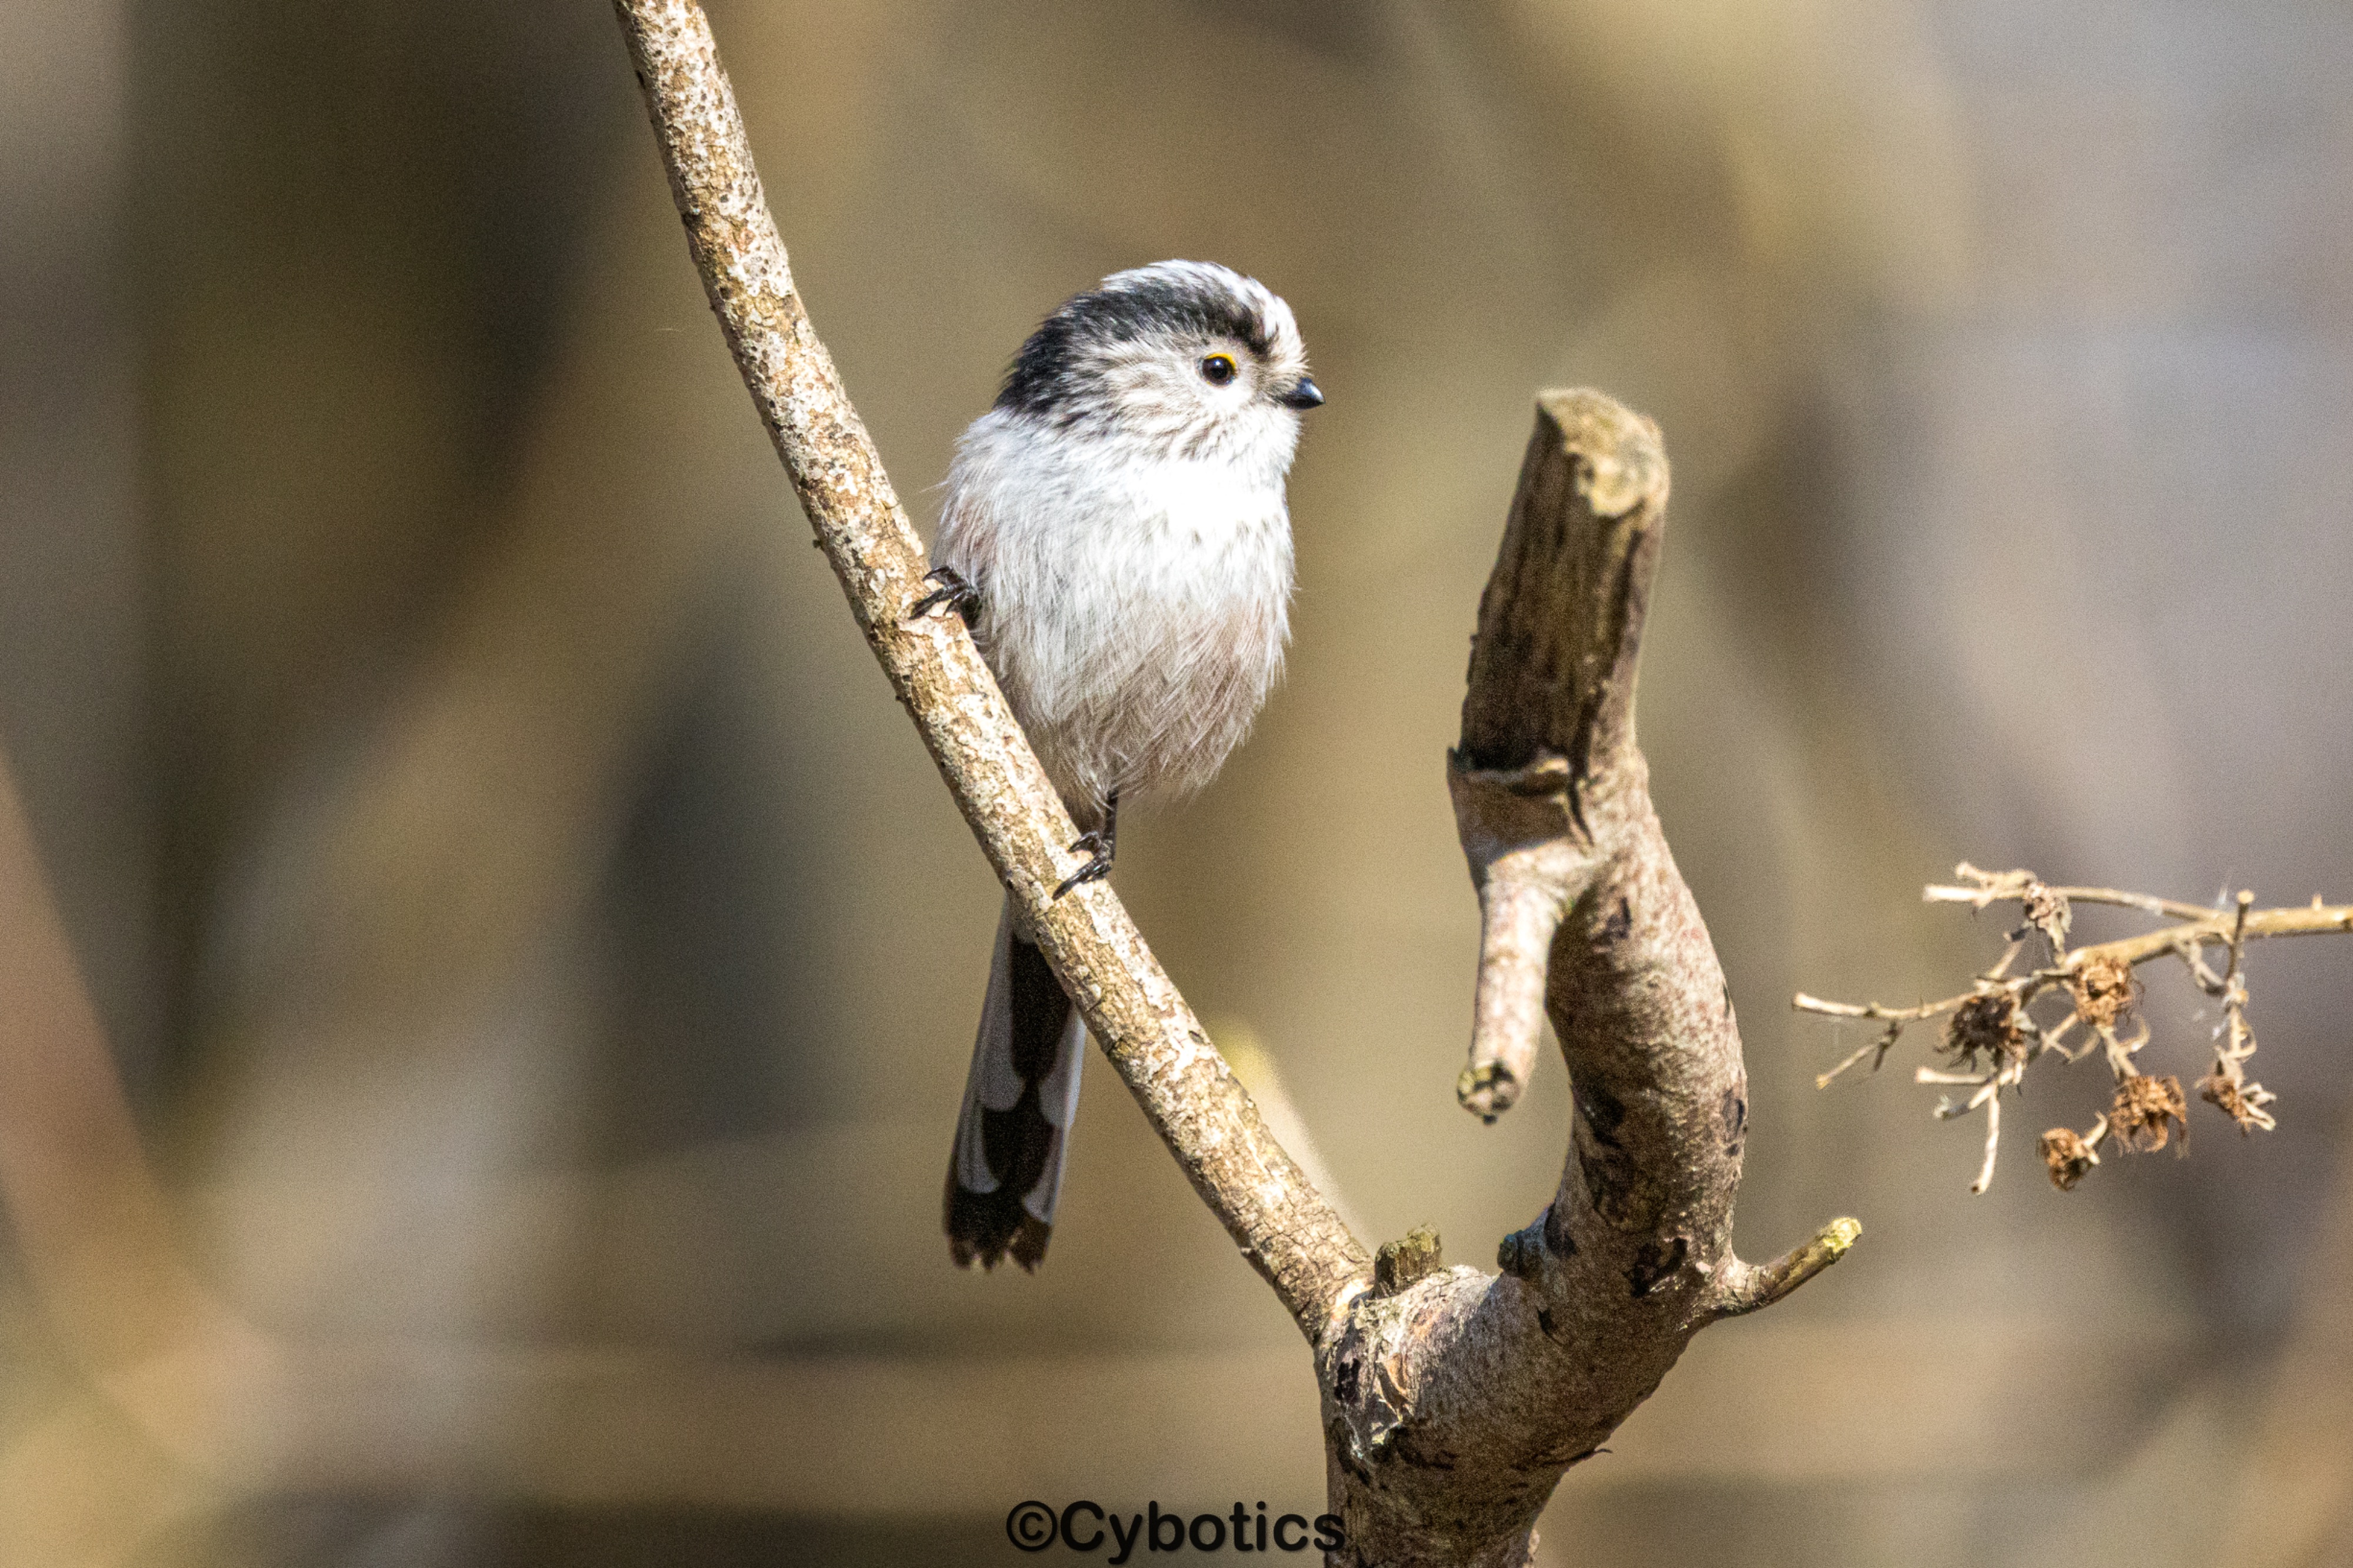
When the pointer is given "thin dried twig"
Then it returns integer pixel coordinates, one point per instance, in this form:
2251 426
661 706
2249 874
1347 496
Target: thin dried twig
1984 888
2098 979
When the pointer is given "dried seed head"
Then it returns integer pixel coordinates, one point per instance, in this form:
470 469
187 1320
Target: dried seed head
2102 988
1988 1023
2147 1109
2241 1102
2064 1150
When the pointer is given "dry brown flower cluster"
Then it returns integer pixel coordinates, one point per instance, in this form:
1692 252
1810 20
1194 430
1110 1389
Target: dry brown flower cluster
2102 988
2069 1157
2146 1109
2238 1102
1991 1022
1991 1036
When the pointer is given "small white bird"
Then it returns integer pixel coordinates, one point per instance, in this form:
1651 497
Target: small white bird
1114 531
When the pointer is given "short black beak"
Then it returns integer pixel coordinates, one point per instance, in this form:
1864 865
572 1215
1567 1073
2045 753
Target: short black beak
1303 394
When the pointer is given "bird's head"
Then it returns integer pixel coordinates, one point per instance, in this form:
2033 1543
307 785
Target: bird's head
1187 358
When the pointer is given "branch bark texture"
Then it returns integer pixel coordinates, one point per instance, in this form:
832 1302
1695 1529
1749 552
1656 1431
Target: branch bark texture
1283 1225
1454 1406
1453 1400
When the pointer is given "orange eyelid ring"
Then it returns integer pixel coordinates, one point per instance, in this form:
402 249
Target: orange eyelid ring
1218 369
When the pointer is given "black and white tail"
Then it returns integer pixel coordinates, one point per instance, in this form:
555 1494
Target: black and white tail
1018 1104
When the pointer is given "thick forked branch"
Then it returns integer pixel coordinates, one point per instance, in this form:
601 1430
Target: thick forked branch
1281 1223
1455 1404
1549 716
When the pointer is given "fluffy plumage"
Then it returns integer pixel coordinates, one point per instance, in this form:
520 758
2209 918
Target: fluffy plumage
1120 514
1122 519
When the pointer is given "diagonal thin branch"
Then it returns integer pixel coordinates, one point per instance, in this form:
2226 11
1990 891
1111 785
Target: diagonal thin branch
1267 1204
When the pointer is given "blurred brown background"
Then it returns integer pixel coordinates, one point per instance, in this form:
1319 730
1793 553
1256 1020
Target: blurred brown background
541 961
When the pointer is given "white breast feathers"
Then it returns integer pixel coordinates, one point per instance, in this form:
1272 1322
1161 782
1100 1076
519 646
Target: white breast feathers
1133 606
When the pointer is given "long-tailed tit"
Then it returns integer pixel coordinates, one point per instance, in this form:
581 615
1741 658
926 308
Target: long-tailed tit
1116 533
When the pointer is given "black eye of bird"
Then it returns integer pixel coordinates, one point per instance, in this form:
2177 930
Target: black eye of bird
1218 369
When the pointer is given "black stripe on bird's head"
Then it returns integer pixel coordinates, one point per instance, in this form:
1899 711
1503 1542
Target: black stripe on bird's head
1185 350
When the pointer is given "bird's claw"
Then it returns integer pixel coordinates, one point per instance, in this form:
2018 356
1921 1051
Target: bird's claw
1098 864
948 587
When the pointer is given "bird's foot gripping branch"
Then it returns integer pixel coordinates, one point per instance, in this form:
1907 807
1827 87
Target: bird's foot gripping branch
1453 1400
